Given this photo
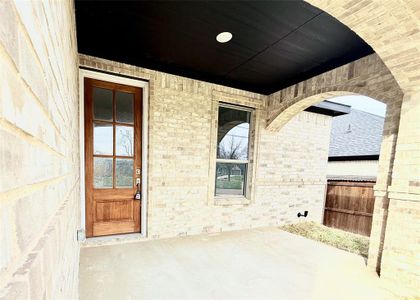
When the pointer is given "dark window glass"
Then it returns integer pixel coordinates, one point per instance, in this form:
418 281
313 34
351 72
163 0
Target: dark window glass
233 134
230 179
232 151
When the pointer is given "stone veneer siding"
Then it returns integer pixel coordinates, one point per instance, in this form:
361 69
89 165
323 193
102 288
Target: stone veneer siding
288 166
39 154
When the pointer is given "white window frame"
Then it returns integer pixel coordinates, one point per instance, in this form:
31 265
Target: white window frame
235 161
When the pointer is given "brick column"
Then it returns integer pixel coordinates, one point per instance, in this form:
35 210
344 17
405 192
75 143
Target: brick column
400 265
386 162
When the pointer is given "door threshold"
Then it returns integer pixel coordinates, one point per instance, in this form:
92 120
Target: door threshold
115 239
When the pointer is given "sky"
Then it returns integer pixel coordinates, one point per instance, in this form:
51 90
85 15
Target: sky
362 103
238 135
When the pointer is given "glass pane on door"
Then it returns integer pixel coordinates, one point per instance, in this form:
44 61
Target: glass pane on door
124 140
103 139
124 173
102 172
125 107
102 104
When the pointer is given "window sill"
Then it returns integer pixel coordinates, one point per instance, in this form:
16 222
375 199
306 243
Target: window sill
231 200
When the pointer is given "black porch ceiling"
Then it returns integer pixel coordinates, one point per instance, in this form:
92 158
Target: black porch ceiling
274 45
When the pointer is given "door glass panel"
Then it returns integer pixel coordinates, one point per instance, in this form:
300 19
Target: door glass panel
124 173
125 107
102 172
102 104
124 145
102 139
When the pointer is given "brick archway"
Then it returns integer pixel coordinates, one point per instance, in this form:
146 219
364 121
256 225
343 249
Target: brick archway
367 76
392 28
287 110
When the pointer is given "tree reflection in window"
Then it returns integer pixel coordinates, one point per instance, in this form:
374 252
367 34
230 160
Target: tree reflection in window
232 151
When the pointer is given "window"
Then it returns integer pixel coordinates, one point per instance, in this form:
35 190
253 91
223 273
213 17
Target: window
232 162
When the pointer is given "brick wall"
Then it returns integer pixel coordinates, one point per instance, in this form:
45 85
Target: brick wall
289 166
39 156
400 267
401 247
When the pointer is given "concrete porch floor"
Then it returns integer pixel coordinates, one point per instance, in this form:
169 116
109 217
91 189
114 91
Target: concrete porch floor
251 264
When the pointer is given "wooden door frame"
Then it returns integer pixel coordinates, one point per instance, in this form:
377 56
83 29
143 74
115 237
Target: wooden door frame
144 85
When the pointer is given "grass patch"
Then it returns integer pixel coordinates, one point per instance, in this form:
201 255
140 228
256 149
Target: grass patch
350 242
234 183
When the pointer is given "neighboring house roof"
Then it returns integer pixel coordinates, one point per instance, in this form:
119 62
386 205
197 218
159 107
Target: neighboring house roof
355 135
351 178
329 108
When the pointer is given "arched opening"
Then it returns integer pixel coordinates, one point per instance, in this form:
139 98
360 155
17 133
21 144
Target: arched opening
286 110
353 163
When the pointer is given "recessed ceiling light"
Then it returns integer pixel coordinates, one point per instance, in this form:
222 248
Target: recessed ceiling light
224 37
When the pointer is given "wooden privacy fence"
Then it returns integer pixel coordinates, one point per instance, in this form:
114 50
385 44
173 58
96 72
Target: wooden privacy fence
349 206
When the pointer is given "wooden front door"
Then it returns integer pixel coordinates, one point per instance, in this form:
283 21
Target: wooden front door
112 157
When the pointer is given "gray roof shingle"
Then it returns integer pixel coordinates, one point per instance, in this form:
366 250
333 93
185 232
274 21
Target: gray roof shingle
356 134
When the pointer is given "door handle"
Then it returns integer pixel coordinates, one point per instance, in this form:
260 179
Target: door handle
137 195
